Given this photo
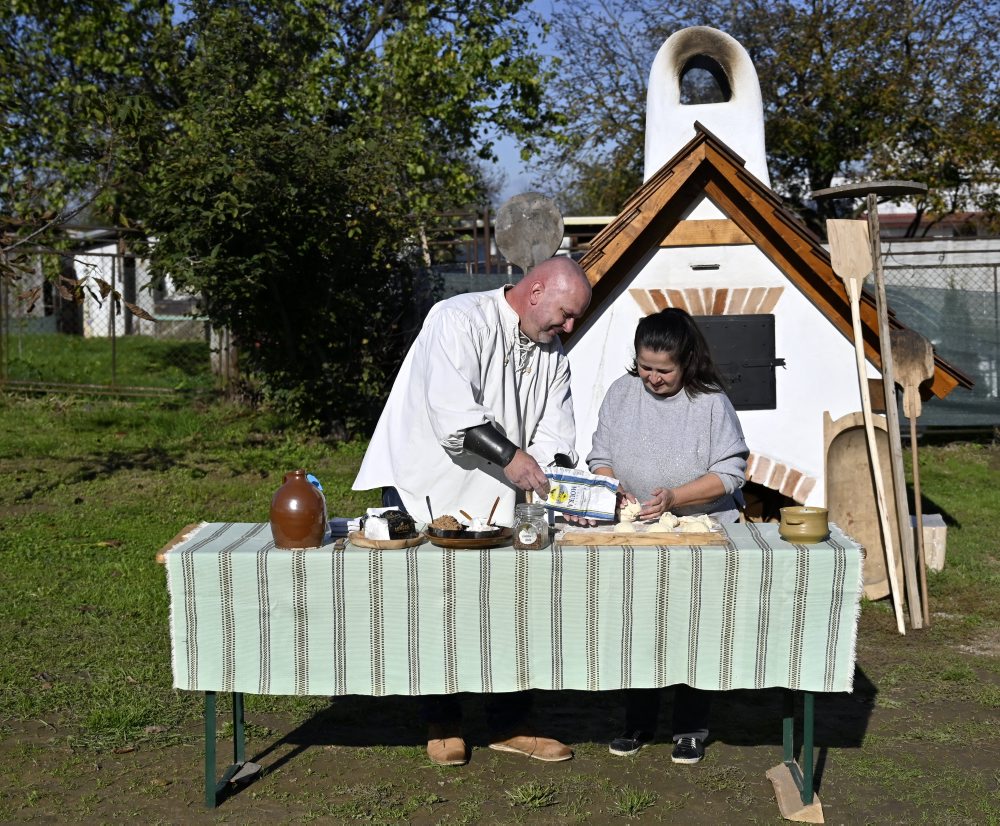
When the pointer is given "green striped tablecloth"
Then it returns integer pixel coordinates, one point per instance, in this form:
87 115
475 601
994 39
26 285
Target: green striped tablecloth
247 617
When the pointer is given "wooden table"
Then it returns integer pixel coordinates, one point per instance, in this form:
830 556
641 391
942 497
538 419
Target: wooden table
756 612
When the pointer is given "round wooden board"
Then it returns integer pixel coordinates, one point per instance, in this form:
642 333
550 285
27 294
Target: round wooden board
485 542
358 538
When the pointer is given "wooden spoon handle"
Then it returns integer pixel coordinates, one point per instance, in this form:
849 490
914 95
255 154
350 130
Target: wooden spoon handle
493 510
465 514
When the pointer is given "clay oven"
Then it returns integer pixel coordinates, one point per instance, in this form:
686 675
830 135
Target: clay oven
705 232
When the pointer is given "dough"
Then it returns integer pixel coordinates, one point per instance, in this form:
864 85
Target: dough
630 511
668 521
701 523
624 527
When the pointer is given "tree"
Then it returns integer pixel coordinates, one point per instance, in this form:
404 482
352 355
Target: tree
284 155
67 72
859 90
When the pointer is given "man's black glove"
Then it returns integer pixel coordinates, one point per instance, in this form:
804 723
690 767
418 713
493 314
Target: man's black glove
489 443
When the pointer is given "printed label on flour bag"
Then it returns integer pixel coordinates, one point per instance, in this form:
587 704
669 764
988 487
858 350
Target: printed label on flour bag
581 493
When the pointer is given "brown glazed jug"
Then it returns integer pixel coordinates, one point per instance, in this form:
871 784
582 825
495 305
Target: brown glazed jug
298 513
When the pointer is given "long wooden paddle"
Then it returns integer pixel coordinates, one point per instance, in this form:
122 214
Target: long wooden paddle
892 420
850 254
914 359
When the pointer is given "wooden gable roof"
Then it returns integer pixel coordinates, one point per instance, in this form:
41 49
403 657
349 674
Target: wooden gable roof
707 166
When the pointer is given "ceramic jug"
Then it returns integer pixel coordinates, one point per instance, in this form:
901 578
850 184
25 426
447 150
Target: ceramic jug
803 524
298 513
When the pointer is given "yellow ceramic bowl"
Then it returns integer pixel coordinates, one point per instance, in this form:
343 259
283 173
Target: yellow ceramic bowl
804 524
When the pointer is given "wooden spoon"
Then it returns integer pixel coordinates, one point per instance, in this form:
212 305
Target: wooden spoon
465 514
493 510
851 257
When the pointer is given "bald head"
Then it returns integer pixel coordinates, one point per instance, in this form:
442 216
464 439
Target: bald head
550 298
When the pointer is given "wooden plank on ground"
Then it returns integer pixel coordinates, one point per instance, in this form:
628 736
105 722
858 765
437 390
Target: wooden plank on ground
789 798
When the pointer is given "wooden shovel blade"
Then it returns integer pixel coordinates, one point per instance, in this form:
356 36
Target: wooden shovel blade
913 356
850 249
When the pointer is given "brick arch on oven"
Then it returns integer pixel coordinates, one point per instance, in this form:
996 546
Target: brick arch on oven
780 477
710 300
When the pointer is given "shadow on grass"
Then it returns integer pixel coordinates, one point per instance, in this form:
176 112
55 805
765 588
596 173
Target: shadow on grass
739 718
103 466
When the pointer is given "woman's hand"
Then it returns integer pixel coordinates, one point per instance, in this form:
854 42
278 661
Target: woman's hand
662 501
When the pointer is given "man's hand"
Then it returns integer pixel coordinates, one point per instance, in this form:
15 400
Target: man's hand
526 474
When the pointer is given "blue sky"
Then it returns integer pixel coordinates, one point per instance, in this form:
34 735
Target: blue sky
518 179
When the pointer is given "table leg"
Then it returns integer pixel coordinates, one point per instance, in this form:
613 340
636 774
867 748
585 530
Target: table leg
788 729
793 785
210 798
239 766
808 718
803 776
239 735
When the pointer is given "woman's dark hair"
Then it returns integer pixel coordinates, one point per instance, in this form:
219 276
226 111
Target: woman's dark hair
673 331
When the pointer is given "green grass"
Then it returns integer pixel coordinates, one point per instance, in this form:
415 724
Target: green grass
630 801
90 489
533 795
136 361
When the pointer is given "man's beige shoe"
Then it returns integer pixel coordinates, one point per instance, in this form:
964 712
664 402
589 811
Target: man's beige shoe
445 748
538 748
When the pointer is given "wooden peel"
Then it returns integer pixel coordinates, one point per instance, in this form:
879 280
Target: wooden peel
528 229
914 359
851 257
892 419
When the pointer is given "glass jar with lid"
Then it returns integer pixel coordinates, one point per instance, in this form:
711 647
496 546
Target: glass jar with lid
531 527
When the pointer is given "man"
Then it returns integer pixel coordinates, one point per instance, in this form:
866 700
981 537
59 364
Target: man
481 402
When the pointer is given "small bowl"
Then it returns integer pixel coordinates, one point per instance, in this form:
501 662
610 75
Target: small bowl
465 533
804 525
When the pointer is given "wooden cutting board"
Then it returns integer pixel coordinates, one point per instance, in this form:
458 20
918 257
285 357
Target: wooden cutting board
643 538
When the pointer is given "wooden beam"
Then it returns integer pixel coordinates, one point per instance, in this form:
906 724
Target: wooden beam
706 233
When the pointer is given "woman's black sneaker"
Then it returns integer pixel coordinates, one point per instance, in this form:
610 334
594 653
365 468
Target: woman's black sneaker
628 744
688 750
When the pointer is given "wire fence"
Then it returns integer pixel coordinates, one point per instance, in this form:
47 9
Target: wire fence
948 292
61 330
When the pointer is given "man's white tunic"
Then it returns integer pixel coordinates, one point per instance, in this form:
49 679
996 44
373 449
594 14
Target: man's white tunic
468 366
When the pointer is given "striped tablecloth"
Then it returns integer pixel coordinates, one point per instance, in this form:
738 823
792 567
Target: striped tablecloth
760 612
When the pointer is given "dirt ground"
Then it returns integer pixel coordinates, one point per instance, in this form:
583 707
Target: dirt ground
917 741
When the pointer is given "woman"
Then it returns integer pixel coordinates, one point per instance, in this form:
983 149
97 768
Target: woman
670 435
